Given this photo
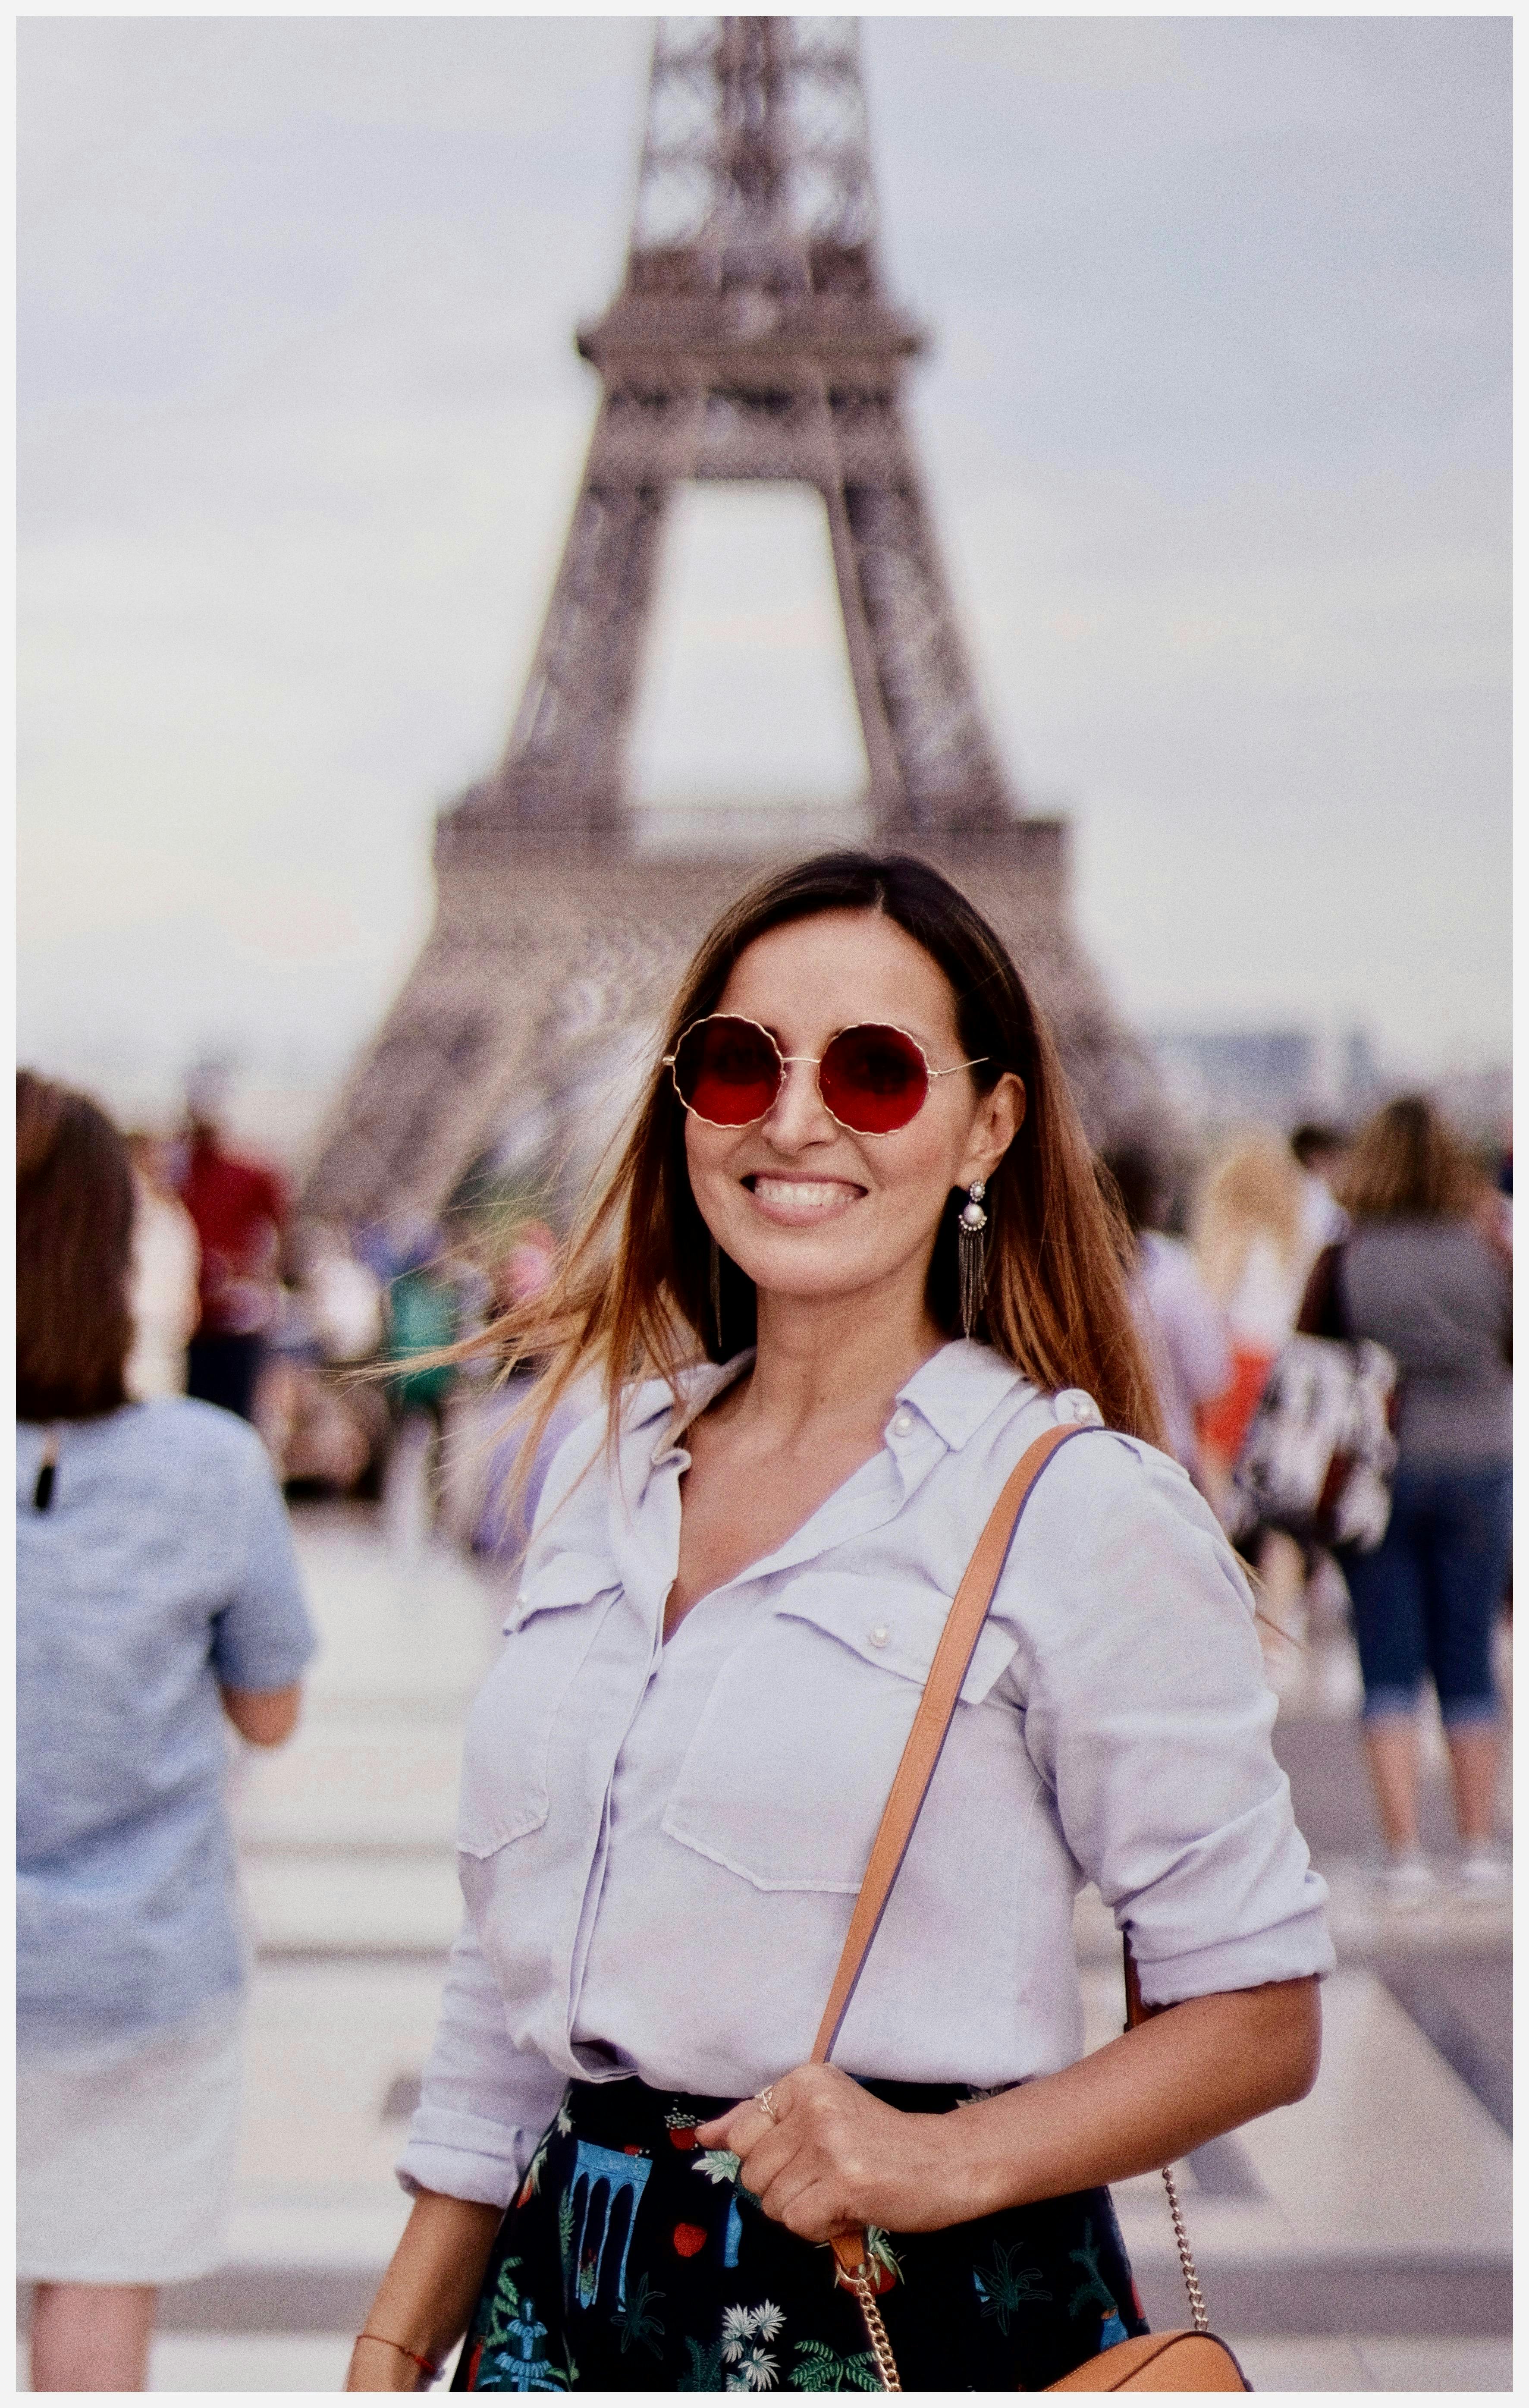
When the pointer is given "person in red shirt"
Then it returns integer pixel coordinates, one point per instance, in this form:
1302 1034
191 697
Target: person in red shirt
238 1208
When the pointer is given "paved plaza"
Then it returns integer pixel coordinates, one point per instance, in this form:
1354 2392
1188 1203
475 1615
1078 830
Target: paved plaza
1356 2242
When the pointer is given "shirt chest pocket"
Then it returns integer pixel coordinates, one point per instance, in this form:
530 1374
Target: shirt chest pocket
510 1727
793 1756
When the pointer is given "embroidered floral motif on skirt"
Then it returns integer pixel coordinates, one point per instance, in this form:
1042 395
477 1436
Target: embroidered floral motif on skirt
633 2261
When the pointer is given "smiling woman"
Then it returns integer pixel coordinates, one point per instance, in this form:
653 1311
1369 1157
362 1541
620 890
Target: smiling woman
624 2164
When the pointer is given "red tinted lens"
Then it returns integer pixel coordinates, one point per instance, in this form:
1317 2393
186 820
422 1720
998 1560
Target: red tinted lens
873 1080
727 1070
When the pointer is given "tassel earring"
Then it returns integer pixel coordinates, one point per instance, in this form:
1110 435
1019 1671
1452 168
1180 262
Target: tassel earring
972 1255
717 1292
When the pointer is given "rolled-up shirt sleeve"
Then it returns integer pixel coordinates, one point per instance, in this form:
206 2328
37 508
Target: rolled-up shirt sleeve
483 2103
1148 1716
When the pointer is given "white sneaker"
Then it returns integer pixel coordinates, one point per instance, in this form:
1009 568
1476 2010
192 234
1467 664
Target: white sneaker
1484 1876
1407 1880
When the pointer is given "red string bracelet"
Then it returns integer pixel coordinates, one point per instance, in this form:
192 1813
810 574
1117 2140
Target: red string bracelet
422 2363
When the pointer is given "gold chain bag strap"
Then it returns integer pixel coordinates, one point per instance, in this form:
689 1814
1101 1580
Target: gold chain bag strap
1192 2361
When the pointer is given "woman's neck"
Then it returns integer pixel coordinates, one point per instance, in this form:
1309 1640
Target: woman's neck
821 1363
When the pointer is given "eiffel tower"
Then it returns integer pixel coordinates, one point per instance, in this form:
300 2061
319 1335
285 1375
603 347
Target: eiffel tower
752 340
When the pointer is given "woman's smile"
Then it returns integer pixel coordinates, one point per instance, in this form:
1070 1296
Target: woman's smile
794 1202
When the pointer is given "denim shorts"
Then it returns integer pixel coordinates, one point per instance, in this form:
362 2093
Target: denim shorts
1426 1600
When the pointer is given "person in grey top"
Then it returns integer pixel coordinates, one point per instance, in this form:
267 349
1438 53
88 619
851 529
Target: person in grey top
158 1603
1424 1273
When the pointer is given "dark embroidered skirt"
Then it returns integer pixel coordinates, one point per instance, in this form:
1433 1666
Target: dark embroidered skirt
632 2260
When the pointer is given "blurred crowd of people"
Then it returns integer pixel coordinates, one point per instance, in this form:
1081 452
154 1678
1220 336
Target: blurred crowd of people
186 1351
1219 1300
240 1303
1399 1235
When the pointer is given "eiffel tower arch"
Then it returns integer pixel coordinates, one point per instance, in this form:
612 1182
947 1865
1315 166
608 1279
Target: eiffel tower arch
752 340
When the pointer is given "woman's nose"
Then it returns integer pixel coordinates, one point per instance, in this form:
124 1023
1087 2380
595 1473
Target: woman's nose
799 1114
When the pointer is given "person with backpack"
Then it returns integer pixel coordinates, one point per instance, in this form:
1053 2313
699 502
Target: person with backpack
1424 1273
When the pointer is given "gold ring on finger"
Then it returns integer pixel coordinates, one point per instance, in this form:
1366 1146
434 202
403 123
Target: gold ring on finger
765 2099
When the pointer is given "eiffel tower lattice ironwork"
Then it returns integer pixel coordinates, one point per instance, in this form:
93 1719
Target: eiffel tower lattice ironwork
751 339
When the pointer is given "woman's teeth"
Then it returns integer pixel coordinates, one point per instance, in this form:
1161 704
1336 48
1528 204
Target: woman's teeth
804 1196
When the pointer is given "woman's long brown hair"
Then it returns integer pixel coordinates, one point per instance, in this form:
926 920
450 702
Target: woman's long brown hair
74 1247
1406 1164
632 1299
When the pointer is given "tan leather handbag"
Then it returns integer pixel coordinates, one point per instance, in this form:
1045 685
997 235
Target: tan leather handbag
1170 2362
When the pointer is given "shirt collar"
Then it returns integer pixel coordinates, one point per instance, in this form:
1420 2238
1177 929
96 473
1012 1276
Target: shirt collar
953 1394
695 1387
956 1390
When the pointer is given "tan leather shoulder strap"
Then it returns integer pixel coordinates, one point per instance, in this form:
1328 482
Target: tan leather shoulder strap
952 1659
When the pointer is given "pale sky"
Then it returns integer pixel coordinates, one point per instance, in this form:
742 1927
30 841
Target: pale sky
1215 427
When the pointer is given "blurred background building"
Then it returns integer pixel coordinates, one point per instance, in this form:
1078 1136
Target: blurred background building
752 343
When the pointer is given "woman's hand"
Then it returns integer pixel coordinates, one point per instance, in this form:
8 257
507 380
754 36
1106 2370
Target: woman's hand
427 2294
835 2158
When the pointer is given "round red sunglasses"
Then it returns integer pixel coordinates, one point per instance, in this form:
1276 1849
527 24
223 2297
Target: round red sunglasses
873 1079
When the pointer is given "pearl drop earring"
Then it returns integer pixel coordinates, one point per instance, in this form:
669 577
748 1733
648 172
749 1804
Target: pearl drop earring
972 1255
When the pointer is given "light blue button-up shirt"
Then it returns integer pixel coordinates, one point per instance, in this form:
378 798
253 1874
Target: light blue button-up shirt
163 1567
661 1842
